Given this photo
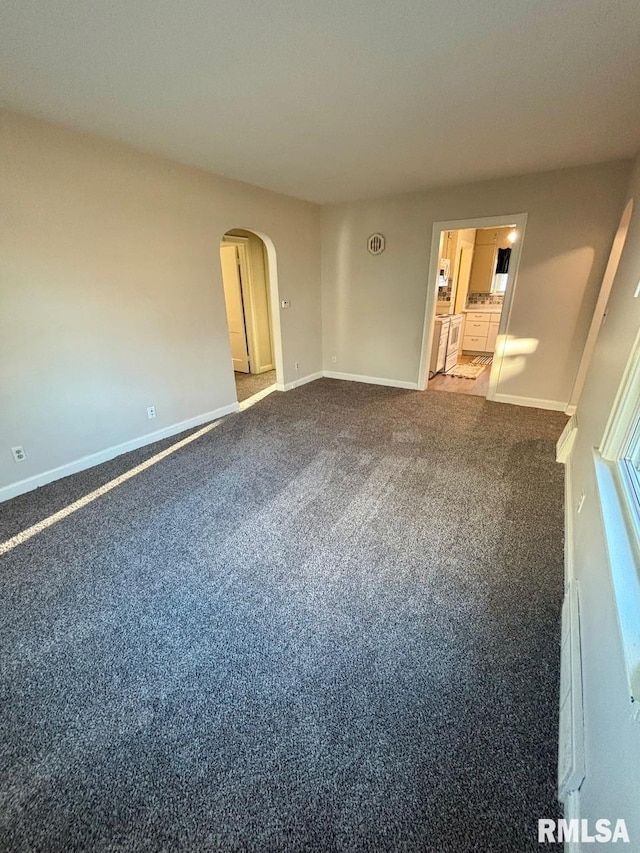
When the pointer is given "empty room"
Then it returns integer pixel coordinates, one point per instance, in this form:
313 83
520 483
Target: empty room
319 426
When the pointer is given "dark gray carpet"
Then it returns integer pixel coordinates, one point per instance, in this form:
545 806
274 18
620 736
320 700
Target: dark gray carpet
330 624
248 384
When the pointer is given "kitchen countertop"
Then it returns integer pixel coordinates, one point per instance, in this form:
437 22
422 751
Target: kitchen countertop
484 309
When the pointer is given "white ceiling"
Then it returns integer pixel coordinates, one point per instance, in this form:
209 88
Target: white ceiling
330 100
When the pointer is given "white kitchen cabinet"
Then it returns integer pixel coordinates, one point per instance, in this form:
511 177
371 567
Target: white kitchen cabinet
474 343
480 331
476 327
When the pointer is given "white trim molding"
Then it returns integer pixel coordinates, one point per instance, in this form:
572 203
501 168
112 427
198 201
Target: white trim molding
622 547
571 757
519 220
532 402
569 533
311 377
565 443
622 417
371 380
600 310
271 272
30 483
571 805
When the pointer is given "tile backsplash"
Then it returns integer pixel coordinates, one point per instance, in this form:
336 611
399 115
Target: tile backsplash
445 295
485 298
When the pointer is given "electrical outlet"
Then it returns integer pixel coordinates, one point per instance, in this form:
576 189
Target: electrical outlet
297 365
581 502
151 412
334 358
18 454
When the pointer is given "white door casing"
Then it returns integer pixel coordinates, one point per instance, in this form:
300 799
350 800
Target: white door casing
254 280
235 310
520 222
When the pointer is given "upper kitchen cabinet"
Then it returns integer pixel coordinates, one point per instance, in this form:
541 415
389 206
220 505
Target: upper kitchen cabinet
448 246
485 255
486 236
483 267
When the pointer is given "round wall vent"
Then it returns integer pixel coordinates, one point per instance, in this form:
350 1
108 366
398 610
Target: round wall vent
375 244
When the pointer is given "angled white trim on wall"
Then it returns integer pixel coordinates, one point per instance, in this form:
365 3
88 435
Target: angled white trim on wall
30 483
298 382
600 311
520 222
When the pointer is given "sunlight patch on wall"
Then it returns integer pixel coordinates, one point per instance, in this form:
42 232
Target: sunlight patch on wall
514 352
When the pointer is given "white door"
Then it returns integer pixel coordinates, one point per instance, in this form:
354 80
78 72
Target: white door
235 309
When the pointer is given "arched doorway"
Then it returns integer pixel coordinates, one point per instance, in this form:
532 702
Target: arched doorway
249 278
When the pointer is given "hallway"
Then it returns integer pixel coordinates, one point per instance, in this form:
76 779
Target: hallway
248 384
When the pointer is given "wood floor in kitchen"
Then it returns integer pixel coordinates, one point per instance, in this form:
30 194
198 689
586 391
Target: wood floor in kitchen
478 387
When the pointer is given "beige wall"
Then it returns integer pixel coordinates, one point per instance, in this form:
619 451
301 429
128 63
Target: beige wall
112 296
612 785
373 306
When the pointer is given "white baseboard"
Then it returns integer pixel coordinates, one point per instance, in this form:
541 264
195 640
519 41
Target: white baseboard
298 382
569 571
372 380
571 749
532 402
572 812
565 443
30 483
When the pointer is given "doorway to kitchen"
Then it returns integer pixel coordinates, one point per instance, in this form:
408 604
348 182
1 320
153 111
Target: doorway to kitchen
247 292
471 282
